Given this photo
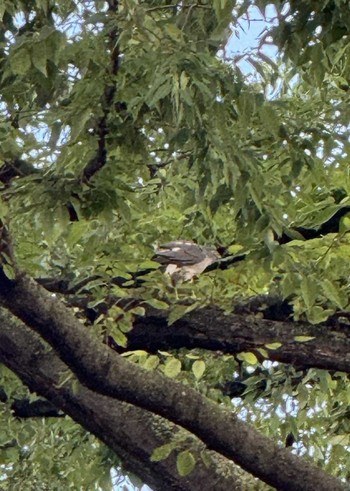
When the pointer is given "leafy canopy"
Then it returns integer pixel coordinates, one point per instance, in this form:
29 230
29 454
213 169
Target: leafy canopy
123 124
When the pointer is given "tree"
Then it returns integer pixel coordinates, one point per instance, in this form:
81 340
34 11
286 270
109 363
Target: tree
125 125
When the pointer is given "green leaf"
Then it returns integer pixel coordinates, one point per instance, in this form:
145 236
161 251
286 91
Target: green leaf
55 134
138 311
263 352
119 337
325 214
161 453
80 122
185 463
332 293
174 32
158 92
309 290
303 339
191 356
149 265
138 352
290 284
344 224
343 439
235 248
3 209
318 314
157 304
269 118
151 363
172 367
54 44
176 313
273 346
179 311
198 369
39 57
327 384
9 271
248 357
76 232
20 61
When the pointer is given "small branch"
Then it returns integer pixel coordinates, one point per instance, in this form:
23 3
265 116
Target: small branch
24 408
101 129
183 7
65 286
16 168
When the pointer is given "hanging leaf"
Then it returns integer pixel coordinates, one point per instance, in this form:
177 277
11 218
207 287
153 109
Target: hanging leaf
198 369
185 463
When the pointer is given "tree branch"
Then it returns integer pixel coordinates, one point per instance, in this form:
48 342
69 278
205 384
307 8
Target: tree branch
260 321
101 129
210 328
104 371
24 408
132 433
16 168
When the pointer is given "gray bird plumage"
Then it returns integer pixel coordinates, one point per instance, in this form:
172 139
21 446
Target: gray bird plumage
184 259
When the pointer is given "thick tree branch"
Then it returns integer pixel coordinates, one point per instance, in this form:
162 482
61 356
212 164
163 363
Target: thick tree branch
261 321
210 328
131 432
104 371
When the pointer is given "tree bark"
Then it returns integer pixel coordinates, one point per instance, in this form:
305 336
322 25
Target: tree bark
105 372
249 329
131 432
210 328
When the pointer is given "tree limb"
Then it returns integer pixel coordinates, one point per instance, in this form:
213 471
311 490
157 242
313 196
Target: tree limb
101 129
105 372
131 432
212 329
260 321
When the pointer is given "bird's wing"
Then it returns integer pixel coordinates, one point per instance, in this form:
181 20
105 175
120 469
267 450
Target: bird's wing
179 252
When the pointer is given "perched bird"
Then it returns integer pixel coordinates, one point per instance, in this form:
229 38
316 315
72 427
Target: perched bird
184 259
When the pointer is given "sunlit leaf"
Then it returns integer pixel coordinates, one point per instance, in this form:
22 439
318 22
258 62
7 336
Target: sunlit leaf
161 453
185 463
198 368
172 367
248 357
303 339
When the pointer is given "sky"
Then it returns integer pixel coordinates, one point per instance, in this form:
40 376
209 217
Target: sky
245 38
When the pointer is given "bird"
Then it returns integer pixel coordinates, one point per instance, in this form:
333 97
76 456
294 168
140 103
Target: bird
185 259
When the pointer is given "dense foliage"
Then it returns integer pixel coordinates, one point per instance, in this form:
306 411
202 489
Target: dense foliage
126 124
